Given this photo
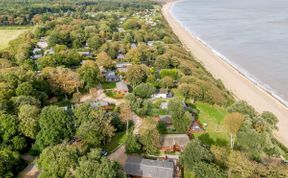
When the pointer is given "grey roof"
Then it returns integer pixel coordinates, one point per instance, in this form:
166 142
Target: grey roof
120 56
121 86
122 64
111 75
97 104
137 166
164 105
166 119
172 139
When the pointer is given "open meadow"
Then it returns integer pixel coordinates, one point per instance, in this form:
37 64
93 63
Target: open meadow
10 33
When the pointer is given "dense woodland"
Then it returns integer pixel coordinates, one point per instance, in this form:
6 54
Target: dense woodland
40 104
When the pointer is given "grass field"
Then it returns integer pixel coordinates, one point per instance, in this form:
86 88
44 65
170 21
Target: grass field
213 116
10 33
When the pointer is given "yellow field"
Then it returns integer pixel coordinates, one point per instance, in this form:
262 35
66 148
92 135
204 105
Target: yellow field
8 34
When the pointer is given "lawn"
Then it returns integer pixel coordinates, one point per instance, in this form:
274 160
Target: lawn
10 33
118 139
110 93
213 116
108 85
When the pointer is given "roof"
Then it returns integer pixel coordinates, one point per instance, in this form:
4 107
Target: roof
111 75
121 86
166 119
120 56
137 166
164 105
172 139
122 64
96 104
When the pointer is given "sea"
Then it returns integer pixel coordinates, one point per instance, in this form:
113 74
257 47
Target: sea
251 35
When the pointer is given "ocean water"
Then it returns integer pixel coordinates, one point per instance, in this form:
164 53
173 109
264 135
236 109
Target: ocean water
251 34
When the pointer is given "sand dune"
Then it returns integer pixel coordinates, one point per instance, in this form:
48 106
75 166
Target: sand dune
233 80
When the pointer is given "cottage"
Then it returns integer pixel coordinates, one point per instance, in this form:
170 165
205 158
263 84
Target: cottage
120 30
36 56
165 119
164 105
120 56
49 51
174 142
97 104
162 93
42 43
122 87
133 45
150 43
85 54
110 76
138 167
36 51
122 67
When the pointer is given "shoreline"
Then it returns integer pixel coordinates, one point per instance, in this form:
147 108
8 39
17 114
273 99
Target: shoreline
234 80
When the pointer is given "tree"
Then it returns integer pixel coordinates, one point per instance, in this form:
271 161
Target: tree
150 139
83 113
137 74
167 82
270 118
97 129
194 153
89 73
94 42
62 79
95 166
207 170
131 144
55 126
9 160
233 122
242 107
57 161
134 55
239 165
104 60
144 90
28 116
181 119
126 114
8 127
25 89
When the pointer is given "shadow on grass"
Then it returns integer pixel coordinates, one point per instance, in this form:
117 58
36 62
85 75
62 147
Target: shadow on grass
206 139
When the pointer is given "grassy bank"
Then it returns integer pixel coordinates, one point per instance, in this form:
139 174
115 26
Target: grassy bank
8 33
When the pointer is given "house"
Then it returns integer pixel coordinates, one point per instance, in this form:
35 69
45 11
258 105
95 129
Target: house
137 167
162 93
42 43
120 30
120 56
122 67
49 51
164 105
133 45
85 54
36 56
196 127
165 119
110 76
122 87
36 51
150 43
174 142
101 104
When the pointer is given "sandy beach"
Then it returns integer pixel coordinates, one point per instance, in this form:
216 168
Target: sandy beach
233 80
